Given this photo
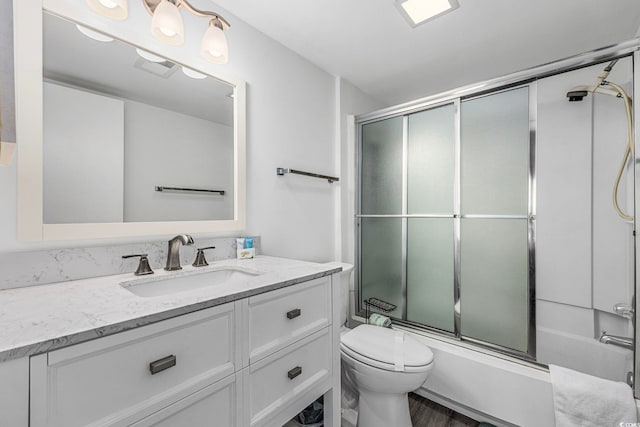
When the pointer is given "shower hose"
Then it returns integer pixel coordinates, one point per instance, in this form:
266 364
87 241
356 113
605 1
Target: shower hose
628 151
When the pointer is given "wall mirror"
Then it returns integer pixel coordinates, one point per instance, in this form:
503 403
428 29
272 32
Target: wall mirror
129 142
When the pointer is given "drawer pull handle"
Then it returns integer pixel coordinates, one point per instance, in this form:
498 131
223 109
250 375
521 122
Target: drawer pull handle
162 364
293 313
294 372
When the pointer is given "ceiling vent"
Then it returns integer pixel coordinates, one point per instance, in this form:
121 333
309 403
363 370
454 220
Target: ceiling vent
162 69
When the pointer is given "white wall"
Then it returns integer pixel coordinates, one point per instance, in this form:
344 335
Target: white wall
584 251
83 147
291 122
195 153
351 102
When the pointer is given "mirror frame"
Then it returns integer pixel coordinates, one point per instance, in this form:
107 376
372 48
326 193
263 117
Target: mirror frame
28 47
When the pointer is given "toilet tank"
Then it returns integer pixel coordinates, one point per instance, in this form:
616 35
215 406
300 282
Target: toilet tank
345 277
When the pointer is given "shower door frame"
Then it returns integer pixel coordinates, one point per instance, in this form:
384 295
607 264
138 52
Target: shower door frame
629 48
636 192
457 215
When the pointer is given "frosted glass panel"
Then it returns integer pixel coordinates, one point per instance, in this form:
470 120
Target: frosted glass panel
382 167
495 153
430 161
381 260
494 281
430 272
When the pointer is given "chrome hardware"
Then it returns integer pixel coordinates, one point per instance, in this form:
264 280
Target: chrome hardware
189 190
331 179
173 254
624 342
143 266
162 364
630 379
293 313
201 261
294 372
624 310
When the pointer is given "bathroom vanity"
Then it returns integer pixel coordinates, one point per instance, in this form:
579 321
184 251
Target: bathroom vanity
251 349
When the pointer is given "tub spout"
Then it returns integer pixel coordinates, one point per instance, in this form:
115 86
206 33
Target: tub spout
624 342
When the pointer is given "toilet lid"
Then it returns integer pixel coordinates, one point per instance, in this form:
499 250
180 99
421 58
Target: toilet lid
386 348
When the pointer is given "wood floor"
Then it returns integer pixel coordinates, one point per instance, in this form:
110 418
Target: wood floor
425 413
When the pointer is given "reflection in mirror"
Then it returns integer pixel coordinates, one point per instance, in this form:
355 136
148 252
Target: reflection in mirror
119 122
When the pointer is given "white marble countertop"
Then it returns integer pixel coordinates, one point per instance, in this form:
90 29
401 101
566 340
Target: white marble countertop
37 319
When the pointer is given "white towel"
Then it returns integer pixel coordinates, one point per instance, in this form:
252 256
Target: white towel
587 401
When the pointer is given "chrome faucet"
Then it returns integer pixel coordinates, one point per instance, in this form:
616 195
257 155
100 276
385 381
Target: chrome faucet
173 255
624 342
625 310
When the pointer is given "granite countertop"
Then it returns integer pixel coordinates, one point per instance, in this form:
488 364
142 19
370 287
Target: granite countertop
38 319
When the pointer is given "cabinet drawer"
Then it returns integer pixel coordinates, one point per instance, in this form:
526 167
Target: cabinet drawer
109 381
216 404
277 380
279 318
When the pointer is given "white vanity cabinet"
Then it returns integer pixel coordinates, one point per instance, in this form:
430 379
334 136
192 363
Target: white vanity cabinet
290 349
120 379
252 362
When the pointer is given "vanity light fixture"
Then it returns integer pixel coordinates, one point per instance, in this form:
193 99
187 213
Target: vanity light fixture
193 73
149 56
167 24
94 34
114 9
418 12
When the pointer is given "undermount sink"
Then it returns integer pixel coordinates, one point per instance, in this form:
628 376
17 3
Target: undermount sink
187 281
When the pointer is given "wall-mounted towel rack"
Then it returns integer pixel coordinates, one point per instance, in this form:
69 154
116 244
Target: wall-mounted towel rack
191 190
331 179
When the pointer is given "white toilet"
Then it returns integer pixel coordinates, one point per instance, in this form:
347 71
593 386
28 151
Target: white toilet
384 365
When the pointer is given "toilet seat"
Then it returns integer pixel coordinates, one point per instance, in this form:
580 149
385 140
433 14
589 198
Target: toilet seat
386 349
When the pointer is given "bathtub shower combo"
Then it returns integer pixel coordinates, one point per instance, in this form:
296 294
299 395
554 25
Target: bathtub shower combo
484 216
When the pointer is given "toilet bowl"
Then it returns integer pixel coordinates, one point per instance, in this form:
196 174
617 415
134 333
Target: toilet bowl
384 365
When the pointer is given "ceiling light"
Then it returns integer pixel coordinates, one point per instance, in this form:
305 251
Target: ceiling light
115 9
214 43
193 73
93 34
167 24
418 12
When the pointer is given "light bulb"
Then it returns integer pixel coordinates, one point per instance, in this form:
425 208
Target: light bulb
214 44
115 9
108 4
167 24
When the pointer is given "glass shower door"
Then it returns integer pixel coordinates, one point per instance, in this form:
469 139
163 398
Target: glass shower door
494 229
430 209
381 267
446 218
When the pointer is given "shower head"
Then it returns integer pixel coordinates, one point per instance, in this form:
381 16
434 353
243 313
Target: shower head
576 95
579 92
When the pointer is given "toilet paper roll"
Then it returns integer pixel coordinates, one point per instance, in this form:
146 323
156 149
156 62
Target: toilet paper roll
379 320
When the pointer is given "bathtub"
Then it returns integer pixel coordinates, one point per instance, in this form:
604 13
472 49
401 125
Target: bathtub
487 388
